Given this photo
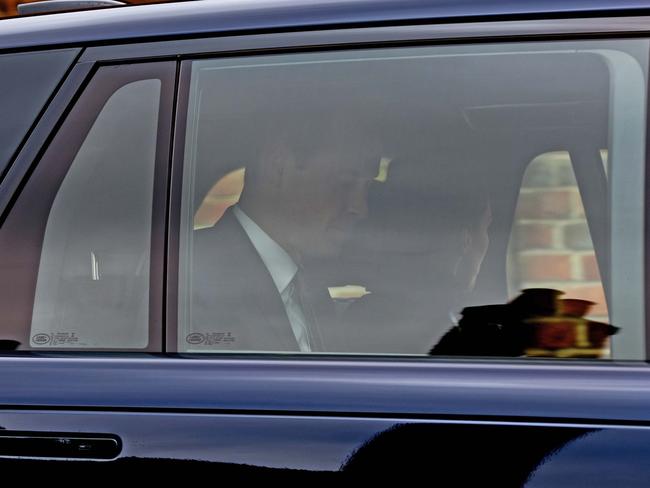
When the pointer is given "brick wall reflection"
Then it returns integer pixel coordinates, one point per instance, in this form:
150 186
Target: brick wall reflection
551 246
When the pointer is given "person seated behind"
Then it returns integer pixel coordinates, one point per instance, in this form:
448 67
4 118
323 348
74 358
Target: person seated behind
418 255
305 191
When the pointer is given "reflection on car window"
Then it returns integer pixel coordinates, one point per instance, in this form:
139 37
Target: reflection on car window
93 278
551 245
364 203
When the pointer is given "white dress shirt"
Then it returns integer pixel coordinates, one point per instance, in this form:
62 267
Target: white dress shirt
283 271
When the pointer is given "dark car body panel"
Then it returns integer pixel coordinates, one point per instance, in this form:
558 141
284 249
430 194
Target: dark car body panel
581 393
291 417
27 85
211 18
553 423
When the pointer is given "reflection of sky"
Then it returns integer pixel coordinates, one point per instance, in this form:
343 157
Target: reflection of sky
609 458
280 442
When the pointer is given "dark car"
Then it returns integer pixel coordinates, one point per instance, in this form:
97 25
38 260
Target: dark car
288 239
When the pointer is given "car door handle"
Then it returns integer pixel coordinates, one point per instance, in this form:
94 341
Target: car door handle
59 445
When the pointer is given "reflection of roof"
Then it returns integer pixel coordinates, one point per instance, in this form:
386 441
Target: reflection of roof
149 21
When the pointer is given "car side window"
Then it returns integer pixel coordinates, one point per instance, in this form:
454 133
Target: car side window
363 201
84 272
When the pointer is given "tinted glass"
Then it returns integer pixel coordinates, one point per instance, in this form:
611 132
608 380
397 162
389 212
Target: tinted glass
93 277
77 247
363 202
26 82
551 245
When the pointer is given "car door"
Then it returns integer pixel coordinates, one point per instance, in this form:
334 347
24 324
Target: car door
159 337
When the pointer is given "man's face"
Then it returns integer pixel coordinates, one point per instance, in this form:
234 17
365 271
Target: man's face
321 194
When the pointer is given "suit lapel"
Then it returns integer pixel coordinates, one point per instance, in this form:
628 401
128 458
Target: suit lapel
233 291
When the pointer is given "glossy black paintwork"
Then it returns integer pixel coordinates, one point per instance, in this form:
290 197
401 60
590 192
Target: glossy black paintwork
528 390
204 17
290 446
586 423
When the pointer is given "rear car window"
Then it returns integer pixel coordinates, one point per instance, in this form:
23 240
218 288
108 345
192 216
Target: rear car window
80 267
364 202
26 82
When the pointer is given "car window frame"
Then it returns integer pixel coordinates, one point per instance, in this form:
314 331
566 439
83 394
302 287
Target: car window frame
583 26
78 89
369 38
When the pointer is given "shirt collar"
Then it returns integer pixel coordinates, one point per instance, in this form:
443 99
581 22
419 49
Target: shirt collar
278 262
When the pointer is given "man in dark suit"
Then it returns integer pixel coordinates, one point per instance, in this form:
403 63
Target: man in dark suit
251 284
418 253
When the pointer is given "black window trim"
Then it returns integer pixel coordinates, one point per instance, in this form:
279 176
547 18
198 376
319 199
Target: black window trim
77 52
41 134
362 38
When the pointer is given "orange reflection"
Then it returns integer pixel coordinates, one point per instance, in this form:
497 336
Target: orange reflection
223 194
